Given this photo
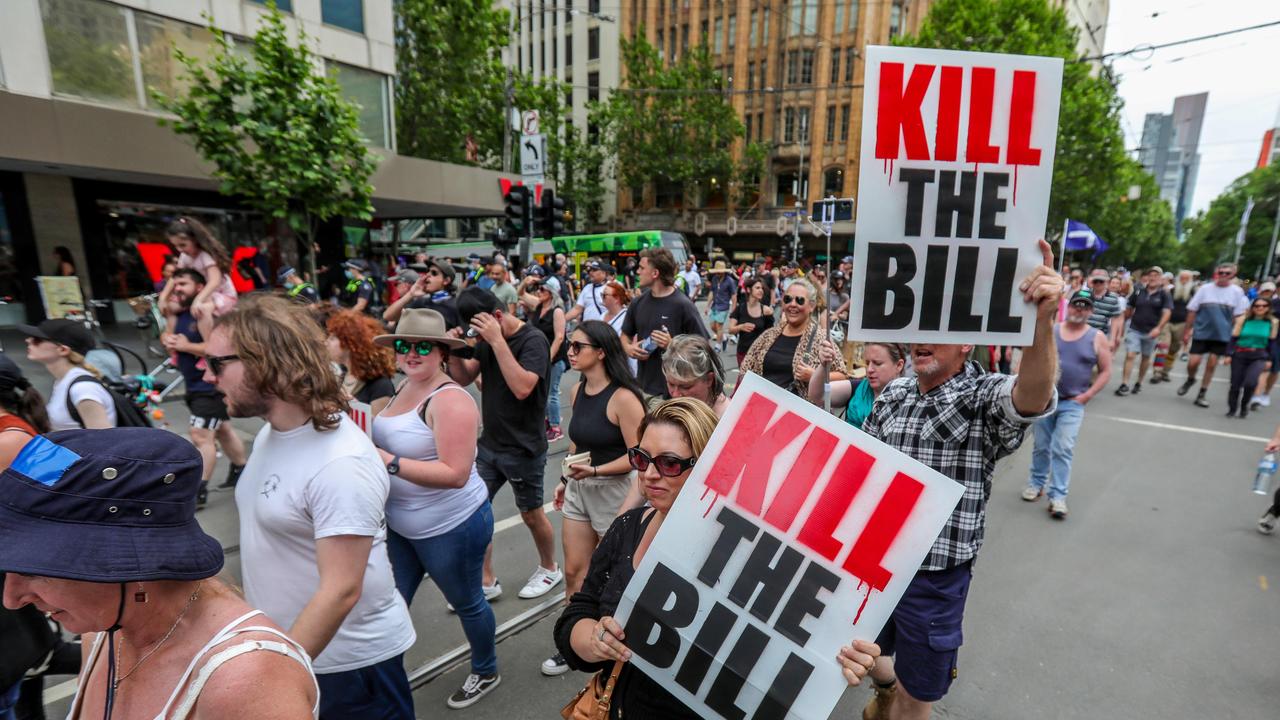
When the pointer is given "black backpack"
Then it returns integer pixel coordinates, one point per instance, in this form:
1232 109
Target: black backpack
128 414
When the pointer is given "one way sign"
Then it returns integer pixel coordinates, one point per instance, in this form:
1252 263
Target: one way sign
533 155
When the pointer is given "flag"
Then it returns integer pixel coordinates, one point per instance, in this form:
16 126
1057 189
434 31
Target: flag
1244 221
1081 237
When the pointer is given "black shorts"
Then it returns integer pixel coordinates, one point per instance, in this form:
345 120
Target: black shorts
208 409
1208 347
924 632
525 474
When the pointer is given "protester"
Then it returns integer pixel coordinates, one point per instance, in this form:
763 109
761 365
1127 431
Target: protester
1149 310
199 250
511 361
399 285
591 303
752 316
958 421
296 287
358 294
787 354
1210 317
885 363
1108 310
1181 293
607 409
22 411
724 291
438 513
690 278
500 287
210 425
312 503
139 585
1253 336
692 368
545 311
1262 396
60 346
1267 523
672 437
1081 350
838 298
367 368
655 317
432 290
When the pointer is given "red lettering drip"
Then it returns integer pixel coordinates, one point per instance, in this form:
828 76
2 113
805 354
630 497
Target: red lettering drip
711 505
890 172
1015 184
865 598
705 490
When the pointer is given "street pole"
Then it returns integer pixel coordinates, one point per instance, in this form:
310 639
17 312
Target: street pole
1275 230
1244 227
800 191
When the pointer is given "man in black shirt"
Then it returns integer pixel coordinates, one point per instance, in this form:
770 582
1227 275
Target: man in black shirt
432 290
358 293
1150 308
655 317
512 360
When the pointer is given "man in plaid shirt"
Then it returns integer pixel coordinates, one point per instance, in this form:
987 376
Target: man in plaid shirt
958 421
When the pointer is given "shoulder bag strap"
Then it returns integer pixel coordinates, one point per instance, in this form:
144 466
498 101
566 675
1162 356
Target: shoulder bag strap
71 406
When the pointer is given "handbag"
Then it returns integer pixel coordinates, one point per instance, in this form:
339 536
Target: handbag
592 702
575 459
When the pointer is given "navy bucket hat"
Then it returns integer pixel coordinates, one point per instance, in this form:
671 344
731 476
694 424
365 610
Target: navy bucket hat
111 506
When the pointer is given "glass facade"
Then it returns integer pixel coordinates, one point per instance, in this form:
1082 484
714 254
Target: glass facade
368 90
346 14
91 55
157 39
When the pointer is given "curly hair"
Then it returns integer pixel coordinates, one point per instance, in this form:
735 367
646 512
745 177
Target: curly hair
283 353
355 332
200 234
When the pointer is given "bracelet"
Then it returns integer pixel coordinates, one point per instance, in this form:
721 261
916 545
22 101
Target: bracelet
595 471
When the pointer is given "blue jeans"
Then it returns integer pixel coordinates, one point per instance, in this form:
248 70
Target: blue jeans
553 397
1055 444
455 561
8 699
375 692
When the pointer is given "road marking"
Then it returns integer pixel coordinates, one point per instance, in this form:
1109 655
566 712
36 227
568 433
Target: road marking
1262 580
1184 428
514 520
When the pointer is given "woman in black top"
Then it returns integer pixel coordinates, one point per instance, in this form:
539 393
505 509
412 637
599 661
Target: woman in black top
751 317
367 368
787 354
545 310
671 438
607 409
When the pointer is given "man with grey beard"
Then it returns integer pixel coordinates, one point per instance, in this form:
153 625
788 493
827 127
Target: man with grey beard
1182 290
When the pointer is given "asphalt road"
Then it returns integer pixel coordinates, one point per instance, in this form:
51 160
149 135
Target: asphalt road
1151 601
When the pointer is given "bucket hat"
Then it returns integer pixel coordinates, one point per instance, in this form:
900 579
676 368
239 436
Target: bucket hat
720 266
115 505
71 333
421 324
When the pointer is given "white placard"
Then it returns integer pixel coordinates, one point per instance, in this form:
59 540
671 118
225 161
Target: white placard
953 194
795 534
361 414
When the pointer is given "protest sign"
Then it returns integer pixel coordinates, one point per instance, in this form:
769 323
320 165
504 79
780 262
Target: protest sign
794 534
361 414
953 194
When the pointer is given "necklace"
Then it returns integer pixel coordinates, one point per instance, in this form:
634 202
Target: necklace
164 639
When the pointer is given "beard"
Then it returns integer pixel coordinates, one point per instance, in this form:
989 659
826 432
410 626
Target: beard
246 407
1182 291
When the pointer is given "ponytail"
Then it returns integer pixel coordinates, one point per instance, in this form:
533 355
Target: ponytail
25 402
79 361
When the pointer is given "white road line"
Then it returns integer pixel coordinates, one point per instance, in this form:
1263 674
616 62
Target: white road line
514 520
1183 428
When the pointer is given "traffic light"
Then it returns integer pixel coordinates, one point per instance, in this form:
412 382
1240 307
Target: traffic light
519 209
551 215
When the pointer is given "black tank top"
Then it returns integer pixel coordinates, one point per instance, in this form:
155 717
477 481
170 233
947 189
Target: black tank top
546 322
590 429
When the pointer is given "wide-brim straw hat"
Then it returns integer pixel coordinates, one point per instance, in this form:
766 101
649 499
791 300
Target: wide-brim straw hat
719 267
421 324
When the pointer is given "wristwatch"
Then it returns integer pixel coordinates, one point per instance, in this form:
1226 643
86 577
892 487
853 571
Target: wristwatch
393 467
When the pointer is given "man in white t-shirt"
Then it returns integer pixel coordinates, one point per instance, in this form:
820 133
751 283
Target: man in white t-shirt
590 305
312 502
692 278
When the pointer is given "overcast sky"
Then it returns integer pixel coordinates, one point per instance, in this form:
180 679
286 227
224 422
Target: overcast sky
1240 72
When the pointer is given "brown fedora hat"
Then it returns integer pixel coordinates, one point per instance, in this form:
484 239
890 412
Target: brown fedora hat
420 324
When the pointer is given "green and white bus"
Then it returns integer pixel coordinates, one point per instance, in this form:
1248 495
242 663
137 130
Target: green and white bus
614 247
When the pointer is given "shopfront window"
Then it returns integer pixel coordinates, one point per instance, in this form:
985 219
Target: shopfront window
10 277
368 90
90 54
158 37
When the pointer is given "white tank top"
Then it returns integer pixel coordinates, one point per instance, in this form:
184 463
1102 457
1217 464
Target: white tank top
415 511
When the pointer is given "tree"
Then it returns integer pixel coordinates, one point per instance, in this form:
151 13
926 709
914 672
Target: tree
1091 170
280 135
1211 235
673 125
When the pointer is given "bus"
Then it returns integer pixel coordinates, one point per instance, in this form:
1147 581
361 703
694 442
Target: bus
612 247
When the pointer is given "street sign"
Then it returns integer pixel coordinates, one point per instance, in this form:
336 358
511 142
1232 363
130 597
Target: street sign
529 122
533 155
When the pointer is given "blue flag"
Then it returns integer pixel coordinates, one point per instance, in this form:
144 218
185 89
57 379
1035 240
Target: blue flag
1081 237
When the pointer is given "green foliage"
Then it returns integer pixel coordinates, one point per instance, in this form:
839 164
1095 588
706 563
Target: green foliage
683 133
1091 170
1211 235
278 134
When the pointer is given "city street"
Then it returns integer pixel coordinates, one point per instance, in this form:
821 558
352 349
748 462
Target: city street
1153 599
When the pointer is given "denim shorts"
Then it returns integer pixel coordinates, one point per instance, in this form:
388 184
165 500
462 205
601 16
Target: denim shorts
1137 341
924 632
524 473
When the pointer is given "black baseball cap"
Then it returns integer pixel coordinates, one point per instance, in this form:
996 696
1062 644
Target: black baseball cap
71 333
1082 297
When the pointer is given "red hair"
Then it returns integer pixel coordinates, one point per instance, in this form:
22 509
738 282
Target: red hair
355 332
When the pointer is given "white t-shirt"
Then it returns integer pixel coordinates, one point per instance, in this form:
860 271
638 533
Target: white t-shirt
591 300
692 279
59 418
616 324
303 485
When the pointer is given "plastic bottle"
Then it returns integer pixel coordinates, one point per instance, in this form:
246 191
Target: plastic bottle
1266 469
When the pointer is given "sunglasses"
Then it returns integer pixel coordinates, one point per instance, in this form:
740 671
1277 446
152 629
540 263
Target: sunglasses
666 465
435 272
793 299
218 363
1262 305
423 347
1224 273
575 346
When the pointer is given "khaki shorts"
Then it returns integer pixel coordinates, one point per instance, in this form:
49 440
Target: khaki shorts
596 500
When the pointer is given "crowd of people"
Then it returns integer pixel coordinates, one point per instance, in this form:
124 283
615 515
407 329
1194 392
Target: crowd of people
459 367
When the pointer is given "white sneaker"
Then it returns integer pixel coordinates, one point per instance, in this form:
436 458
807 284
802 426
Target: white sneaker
1031 494
491 593
1058 509
1263 400
1267 523
541 582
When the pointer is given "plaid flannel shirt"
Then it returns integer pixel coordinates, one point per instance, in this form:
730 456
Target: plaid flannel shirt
960 428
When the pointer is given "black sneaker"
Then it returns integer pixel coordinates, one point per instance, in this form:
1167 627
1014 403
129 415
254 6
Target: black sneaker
1184 387
233 477
1200 400
202 495
1156 379
1122 390
1231 413
555 665
1137 388
475 687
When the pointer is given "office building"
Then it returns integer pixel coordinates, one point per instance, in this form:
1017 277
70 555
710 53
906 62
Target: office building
1170 152
1089 17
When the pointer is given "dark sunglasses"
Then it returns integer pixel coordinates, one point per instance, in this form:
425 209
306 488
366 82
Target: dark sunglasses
789 299
423 347
1224 273
667 465
435 272
575 346
218 363
1262 305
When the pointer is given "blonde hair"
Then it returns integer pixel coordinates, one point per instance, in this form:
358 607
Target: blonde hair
693 417
689 358
78 360
818 302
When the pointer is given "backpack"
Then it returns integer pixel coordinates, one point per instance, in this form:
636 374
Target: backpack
127 413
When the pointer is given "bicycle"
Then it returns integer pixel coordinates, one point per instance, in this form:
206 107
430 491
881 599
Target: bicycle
150 322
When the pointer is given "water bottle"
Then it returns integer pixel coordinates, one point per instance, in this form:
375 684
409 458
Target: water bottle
1266 468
